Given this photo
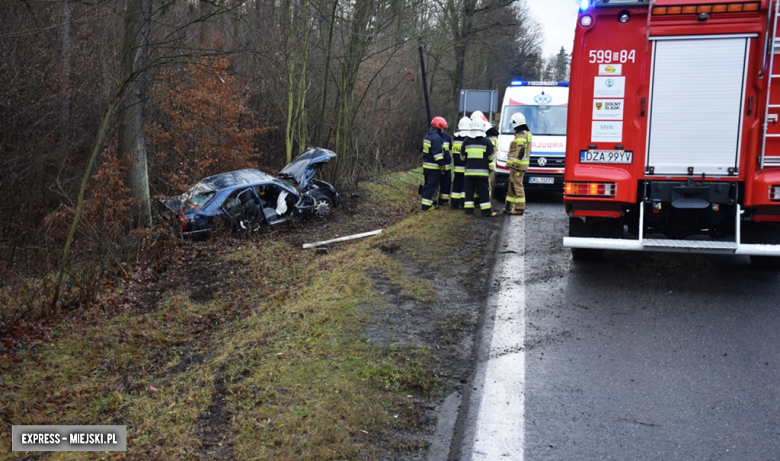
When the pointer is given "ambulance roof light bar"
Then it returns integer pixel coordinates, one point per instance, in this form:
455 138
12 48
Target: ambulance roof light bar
525 83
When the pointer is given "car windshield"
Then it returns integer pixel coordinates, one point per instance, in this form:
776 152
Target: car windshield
541 120
198 196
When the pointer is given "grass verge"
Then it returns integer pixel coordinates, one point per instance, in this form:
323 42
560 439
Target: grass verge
273 367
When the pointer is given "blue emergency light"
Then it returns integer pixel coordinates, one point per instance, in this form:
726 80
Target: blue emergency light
584 4
525 83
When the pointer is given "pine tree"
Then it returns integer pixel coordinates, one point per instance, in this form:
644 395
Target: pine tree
560 66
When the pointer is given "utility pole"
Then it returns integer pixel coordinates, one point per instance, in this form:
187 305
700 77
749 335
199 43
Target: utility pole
424 82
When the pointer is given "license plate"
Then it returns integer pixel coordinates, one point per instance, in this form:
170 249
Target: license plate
606 156
541 180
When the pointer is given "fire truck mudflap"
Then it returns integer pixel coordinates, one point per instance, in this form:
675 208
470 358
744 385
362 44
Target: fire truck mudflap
672 137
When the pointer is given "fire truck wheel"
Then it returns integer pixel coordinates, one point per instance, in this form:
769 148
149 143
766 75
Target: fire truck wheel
586 254
765 262
755 232
600 228
606 228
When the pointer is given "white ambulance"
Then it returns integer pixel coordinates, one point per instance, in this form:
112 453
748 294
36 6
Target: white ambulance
544 105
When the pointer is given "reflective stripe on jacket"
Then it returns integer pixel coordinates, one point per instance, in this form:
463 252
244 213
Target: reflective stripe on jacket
433 154
519 154
478 154
446 146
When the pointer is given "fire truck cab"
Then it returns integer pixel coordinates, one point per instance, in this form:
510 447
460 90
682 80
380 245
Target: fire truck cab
673 141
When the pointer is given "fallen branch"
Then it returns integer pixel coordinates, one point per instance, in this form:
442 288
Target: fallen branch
342 239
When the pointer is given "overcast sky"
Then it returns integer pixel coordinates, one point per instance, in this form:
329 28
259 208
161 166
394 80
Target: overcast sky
558 19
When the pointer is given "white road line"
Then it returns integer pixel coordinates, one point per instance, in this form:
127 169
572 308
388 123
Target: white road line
500 428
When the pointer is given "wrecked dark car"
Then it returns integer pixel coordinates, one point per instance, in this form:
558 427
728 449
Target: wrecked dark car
248 200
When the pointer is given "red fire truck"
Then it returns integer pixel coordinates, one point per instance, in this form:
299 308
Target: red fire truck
674 140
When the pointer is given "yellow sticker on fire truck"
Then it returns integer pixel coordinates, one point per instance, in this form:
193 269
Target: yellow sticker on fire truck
610 69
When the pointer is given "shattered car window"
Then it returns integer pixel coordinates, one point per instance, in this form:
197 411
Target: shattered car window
198 196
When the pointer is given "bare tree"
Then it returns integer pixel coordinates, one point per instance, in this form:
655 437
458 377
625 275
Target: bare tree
132 144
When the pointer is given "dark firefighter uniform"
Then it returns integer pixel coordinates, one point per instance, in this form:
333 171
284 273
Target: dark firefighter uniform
479 155
458 191
517 162
433 164
445 182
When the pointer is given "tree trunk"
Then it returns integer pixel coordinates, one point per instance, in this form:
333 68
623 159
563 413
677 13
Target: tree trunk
356 47
65 73
462 23
79 207
290 102
132 144
322 136
300 113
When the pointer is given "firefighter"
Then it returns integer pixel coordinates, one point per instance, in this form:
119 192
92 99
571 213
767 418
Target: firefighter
478 115
464 126
433 161
479 154
517 162
445 182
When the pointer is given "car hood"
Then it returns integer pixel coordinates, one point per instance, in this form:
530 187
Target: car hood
304 166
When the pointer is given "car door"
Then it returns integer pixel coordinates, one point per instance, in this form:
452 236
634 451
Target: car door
236 206
305 205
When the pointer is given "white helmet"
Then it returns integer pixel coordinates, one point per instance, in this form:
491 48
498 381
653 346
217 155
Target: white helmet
464 126
517 119
478 128
478 115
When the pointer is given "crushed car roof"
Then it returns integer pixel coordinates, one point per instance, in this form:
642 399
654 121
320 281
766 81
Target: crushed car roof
236 178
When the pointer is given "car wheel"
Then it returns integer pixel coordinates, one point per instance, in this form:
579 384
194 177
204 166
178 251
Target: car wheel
322 207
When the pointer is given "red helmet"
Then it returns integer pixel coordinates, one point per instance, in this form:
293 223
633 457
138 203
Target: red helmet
439 123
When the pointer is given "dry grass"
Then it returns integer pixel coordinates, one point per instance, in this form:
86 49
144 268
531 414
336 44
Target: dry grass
272 368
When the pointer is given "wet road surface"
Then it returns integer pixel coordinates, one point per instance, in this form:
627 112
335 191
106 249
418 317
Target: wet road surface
641 356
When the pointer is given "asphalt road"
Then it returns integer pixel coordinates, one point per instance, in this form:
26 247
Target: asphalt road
641 356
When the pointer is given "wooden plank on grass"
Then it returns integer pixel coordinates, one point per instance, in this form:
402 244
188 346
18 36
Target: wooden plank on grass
342 239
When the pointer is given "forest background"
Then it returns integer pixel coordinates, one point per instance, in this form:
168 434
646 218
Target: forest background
108 105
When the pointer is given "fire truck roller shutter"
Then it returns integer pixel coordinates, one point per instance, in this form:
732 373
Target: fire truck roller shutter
698 87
